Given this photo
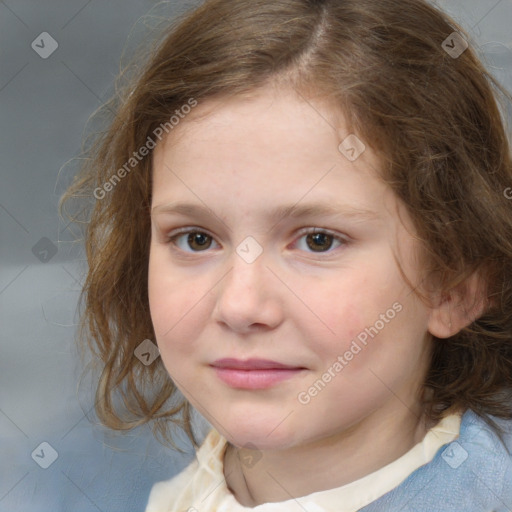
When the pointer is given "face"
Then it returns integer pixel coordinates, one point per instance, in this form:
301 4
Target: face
318 291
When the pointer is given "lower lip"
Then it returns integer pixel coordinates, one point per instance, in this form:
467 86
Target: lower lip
255 379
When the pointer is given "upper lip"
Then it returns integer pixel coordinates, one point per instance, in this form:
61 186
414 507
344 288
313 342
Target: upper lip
251 364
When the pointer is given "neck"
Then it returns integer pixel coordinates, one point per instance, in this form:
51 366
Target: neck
281 475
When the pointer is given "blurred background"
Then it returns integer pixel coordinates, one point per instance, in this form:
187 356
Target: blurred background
58 61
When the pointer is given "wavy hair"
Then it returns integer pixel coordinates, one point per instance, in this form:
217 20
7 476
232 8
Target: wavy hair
433 118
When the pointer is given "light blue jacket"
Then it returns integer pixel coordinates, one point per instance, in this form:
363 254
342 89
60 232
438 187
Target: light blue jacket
471 474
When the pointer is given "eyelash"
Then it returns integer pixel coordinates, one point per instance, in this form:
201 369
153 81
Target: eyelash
171 238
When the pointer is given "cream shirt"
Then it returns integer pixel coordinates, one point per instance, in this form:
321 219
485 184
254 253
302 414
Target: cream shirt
201 487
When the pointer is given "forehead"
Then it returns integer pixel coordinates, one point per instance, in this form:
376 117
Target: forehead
248 118
271 124
269 146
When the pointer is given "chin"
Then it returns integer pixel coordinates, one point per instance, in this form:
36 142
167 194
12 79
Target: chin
262 436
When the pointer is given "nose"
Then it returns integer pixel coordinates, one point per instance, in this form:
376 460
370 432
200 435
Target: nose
249 297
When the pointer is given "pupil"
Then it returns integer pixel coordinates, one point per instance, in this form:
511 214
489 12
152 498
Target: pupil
198 238
319 239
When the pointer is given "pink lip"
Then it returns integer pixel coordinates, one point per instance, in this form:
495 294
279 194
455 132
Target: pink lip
253 373
252 364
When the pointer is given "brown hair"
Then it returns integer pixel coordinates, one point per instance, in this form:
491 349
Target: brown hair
432 118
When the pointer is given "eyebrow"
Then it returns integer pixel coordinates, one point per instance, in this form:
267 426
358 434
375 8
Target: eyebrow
279 213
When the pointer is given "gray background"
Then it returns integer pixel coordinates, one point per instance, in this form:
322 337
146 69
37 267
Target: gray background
45 105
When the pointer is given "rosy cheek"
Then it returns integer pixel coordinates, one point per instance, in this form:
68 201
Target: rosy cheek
164 316
348 322
179 320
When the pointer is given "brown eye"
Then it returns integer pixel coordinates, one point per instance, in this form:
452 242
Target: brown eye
188 240
199 241
319 242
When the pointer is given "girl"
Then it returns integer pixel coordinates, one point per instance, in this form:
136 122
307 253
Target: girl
306 206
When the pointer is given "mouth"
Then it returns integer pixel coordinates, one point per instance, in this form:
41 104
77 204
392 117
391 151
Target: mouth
253 364
254 374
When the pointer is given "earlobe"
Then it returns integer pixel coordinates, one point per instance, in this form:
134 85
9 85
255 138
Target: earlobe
440 323
458 308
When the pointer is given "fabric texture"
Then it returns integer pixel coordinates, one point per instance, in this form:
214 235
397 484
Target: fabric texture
461 465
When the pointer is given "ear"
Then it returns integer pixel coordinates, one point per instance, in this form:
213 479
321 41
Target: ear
458 308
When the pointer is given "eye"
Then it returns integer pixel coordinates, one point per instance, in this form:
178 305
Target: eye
319 240
192 238
195 240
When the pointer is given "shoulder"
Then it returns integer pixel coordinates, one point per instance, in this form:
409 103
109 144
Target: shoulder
480 461
483 439
477 466
472 473
165 495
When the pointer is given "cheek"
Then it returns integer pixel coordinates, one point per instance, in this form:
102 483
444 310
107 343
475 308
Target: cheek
340 309
176 304
349 313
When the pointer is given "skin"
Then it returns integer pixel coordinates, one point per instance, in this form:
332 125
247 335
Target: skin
293 304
